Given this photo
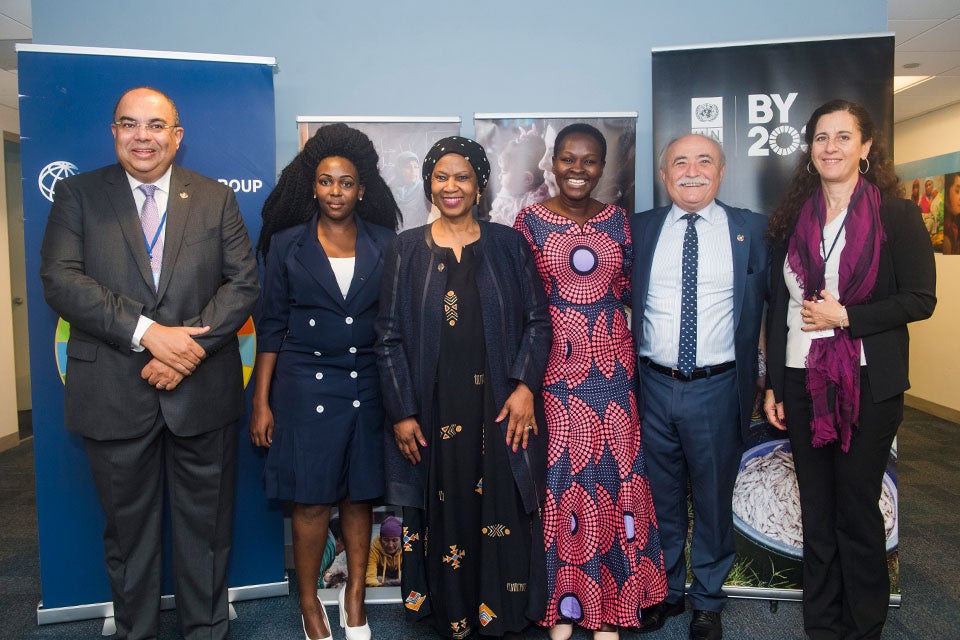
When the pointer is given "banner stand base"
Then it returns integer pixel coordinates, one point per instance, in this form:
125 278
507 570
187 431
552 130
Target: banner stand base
105 609
775 595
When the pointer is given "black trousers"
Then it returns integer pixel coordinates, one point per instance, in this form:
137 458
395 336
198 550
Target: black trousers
846 587
200 477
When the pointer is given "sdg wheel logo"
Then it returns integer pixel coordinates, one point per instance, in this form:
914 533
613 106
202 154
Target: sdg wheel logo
247 336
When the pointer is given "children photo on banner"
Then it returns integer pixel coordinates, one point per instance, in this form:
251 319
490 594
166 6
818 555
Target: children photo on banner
520 149
933 184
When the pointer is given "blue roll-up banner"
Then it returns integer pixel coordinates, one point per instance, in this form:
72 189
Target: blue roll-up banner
67 97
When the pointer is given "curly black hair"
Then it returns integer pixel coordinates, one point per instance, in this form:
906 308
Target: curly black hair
291 202
805 182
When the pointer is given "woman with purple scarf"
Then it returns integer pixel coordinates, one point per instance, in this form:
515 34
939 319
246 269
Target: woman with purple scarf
852 265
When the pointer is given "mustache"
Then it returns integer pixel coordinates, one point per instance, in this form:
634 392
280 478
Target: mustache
698 181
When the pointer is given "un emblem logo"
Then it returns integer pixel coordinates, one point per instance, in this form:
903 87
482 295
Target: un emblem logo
53 173
707 112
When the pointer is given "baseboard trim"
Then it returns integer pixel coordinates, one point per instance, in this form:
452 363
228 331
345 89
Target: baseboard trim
932 408
9 441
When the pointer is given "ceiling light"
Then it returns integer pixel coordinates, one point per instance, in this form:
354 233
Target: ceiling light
902 83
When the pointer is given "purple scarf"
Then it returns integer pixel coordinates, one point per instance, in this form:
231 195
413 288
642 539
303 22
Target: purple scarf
834 363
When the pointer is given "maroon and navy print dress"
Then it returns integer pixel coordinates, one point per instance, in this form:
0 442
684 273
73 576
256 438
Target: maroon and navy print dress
604 561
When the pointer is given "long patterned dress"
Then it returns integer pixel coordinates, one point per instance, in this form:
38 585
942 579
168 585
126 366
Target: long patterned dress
470 550
604 561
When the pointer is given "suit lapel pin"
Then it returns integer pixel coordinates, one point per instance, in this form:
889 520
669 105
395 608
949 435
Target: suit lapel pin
440 267
184 195
739 237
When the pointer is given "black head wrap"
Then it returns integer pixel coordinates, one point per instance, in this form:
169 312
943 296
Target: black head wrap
471 151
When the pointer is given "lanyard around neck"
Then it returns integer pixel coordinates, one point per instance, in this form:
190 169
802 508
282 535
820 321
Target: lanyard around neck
822 220
150 244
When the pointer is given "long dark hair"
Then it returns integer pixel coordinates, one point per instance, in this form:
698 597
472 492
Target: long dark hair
291 202
803 183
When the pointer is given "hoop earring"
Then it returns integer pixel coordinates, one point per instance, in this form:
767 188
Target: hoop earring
811 170
860 167
433 200
478 198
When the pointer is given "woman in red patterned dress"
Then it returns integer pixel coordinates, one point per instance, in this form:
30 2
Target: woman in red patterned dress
604 562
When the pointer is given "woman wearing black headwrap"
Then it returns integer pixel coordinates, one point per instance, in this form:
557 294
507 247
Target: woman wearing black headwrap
463 338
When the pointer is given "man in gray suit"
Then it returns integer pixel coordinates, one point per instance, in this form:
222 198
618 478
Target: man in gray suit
154 378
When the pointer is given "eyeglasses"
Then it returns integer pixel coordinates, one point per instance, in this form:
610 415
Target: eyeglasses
129 126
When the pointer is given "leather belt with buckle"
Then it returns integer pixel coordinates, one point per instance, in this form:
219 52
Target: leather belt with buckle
697 374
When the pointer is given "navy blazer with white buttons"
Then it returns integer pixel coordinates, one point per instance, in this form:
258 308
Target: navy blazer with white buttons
304 317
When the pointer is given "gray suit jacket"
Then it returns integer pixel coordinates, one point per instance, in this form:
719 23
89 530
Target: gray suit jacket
750 282
96 275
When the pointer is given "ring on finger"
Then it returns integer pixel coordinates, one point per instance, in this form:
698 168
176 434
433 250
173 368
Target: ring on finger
529 427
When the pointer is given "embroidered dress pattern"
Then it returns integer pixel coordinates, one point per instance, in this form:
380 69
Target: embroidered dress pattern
450 307
472 503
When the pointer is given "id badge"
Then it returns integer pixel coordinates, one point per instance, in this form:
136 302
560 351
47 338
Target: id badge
823 333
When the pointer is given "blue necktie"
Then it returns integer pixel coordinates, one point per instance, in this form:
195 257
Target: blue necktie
687 356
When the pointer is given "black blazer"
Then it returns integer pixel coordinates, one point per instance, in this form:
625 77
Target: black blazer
905 291
517 333
96 275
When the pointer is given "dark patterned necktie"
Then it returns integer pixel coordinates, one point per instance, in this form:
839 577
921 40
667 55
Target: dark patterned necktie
687 355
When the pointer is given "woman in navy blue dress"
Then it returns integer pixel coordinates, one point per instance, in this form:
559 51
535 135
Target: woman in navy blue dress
316 402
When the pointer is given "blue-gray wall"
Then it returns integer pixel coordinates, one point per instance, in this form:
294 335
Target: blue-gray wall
400 57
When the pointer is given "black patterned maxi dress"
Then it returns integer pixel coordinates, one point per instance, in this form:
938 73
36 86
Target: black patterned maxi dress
467 557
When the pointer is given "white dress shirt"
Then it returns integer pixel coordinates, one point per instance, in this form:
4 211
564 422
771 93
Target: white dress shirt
661 315
161 196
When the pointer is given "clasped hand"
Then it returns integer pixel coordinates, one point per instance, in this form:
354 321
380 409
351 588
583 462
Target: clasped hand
825 313
175 354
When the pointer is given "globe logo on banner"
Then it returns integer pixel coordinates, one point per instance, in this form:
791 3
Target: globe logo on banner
54 173
706 117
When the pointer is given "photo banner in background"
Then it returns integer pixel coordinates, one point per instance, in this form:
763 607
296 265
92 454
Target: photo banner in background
401 144
67 97
755 98
933 184
520 149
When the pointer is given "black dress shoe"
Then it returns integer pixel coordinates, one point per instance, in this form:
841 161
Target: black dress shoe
652 618
705 625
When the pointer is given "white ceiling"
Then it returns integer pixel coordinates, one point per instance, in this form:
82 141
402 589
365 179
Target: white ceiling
14 27
927 34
